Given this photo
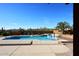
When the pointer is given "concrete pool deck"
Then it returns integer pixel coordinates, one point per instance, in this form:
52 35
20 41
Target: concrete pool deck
8 42
33 50
38 48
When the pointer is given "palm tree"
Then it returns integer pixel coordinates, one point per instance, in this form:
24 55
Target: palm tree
63 26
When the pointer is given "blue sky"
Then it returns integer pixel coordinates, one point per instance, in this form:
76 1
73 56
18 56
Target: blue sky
34 15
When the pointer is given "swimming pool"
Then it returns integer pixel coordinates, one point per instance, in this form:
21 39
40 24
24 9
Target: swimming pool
30 37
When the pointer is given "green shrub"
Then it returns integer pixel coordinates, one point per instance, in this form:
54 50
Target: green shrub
5 33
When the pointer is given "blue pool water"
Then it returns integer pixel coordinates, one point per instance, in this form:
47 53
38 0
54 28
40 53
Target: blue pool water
29 37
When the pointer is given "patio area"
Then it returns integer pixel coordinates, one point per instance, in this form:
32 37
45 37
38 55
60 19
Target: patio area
37 50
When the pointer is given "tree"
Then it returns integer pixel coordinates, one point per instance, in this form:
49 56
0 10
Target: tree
21 31
63 26
2 30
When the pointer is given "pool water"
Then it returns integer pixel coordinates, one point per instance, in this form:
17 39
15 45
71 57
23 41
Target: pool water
31 37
